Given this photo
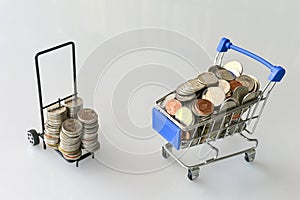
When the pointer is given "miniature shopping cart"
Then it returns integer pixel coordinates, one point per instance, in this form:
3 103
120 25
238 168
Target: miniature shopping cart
32 135
219 125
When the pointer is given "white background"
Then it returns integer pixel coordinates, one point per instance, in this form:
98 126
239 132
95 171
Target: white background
271 28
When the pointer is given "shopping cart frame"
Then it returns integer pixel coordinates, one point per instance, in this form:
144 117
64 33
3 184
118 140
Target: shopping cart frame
32 135
249 115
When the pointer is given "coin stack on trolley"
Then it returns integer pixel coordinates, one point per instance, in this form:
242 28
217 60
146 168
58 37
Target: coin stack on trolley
73 105
220 89
70 128
56 115
70 139
89 119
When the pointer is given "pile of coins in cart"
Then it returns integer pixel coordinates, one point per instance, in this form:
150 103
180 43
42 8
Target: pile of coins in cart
71 128
220 89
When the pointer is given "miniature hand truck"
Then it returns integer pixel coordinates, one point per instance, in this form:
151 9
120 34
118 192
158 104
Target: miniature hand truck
218 125
32 135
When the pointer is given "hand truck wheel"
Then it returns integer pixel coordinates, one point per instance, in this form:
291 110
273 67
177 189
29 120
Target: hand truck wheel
250 155
193 173
165 154
33 137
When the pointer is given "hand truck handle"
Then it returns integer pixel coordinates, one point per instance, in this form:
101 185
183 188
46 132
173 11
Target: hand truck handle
37 67
36 58
277 72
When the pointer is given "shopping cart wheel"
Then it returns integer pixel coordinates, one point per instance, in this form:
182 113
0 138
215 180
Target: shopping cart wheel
165 154
33 137
250 155
193 173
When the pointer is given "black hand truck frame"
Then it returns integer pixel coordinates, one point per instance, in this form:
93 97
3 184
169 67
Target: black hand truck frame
32 135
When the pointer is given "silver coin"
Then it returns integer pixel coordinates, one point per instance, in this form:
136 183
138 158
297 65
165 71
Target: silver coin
182 90
246 81
194 109
256 85
239 93
72 127
185 116
73 102
225 74
189 88
250 97
70 147
90 131
94 148
195 85
53 131
208 79
89 144
87 116
54 123
89 137
214 94
185 98
56 114
235 67
224 85
214 69
91 127
229 104
89 119
51 140
69 140
56 110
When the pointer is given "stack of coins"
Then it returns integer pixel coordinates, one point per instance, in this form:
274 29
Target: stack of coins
73 104
187 91
208 79
70 139
56 114
89 119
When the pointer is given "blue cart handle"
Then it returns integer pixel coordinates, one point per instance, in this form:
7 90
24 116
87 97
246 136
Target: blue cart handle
277 72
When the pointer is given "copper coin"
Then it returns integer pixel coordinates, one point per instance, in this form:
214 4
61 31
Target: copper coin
172 106
164 101
234 84
204 107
